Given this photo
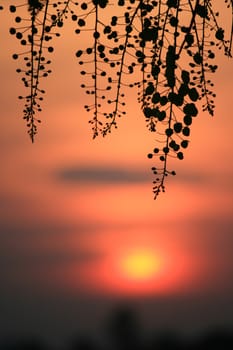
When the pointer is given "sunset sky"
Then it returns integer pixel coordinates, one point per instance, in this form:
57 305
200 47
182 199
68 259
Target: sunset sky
79 229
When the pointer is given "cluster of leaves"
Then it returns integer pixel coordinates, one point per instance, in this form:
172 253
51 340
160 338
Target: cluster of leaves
164 48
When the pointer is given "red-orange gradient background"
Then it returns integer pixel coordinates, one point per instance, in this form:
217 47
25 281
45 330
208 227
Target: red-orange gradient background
64 236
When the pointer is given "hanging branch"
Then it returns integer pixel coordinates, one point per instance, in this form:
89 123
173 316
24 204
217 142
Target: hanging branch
34 33
163 48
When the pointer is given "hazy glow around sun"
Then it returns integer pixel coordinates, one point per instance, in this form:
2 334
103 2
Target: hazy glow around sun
140 265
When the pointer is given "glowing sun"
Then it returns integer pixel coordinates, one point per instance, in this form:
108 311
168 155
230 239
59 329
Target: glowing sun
140 265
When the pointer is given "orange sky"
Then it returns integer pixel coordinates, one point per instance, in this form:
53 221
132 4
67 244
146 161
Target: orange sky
68 234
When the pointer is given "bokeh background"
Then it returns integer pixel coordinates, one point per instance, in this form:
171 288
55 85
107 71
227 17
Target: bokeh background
72 209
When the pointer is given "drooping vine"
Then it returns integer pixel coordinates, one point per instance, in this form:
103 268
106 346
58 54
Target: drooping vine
165 49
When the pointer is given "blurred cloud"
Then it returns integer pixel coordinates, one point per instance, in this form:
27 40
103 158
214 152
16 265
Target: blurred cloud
110 174
44 258
101 175
46 243
34 256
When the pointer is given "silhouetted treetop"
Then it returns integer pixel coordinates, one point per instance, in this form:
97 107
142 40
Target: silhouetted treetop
165 49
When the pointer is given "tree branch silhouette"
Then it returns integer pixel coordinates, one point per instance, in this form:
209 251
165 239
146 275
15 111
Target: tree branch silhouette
163 48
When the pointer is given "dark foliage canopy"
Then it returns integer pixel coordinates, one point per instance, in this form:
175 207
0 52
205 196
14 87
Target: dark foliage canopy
166 49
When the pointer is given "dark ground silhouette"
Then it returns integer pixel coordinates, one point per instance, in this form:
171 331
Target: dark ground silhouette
123 332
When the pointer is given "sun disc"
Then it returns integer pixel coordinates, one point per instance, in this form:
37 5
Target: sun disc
140 265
